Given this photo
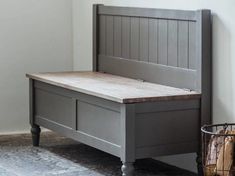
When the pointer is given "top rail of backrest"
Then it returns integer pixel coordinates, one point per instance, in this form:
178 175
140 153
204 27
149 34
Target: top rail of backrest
148 13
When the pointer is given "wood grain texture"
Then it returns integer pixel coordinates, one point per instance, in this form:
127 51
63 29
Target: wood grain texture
114 88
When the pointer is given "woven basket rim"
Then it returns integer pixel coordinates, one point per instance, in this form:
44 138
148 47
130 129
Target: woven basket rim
204 129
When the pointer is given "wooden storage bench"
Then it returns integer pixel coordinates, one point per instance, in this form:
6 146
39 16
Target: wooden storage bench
148 93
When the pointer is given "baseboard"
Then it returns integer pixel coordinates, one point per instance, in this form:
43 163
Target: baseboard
21 132
182 161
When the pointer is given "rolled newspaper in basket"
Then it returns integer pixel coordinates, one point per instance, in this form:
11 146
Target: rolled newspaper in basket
218 149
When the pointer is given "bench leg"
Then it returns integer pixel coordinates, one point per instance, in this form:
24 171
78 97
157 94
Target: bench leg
199 164
127 169
35 131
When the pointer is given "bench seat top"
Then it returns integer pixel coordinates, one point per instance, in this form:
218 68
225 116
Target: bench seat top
115 88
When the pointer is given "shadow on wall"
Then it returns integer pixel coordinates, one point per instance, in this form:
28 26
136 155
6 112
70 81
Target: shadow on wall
222 72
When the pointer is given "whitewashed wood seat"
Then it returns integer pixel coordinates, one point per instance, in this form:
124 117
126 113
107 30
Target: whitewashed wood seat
115 88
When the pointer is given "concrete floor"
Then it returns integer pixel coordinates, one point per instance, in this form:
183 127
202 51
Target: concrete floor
59 156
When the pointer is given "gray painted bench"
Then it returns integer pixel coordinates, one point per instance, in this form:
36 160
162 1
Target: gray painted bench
149 91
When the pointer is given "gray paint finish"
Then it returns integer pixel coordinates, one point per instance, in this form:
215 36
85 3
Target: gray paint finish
147 12
165 127
57 108
129 131
125 37
176 38
115 124
31 101
95 33
162 42
204 64
153 37
135 38
170 47
117 36
98 122
156 73
172 51
153 40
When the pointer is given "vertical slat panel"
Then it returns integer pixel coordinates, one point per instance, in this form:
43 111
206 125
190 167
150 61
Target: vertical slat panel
172 42
167 42
183 44
144 39
192 45
126 37
162 42
135 38
153 40
102 31
117 36
109 36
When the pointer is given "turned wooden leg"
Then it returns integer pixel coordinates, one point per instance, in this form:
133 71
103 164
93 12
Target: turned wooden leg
35 131
199 164
127 169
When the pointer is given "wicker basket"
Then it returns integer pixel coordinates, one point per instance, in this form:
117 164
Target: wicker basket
218 150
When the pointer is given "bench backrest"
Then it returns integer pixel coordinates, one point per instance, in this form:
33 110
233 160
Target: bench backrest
169 47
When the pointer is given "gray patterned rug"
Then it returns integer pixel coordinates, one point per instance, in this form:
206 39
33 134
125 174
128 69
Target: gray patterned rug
59 156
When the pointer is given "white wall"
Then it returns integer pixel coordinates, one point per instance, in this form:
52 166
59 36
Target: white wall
35 36
223 51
